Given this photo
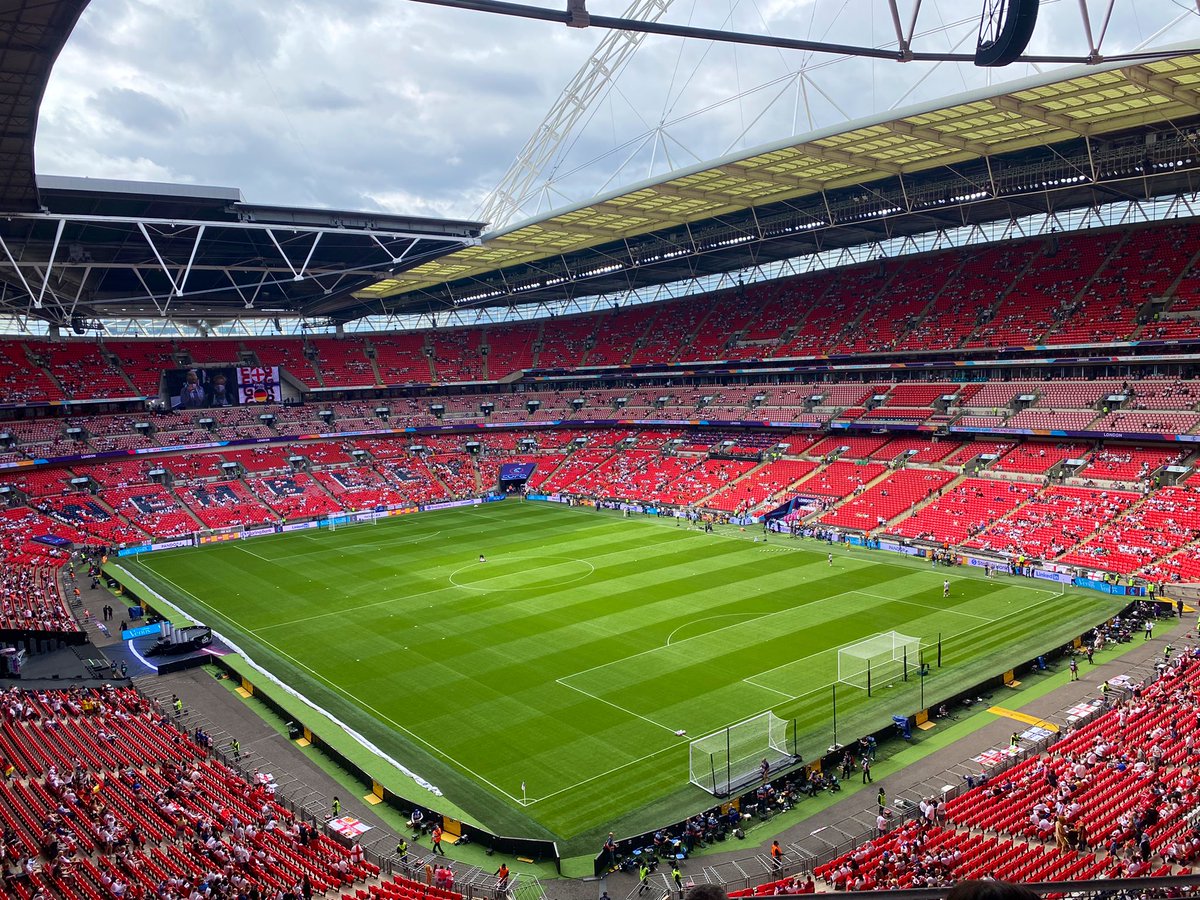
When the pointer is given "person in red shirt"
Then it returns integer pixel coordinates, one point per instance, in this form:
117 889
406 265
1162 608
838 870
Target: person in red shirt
437 839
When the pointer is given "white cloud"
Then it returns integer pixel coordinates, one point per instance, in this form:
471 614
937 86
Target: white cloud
411 108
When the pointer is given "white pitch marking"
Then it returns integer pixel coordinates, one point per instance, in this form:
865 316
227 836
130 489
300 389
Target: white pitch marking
616 706
251 552
560 583
944 609
704 619
416 737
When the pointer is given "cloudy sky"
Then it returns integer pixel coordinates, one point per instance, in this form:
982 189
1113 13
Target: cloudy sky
399 106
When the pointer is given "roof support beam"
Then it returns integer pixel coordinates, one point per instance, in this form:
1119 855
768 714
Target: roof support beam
17 269
761 174
37 302
238 224
862 161
191 259
1009 103
932 134
1161 85
79 289
146 234
150 295
296 276
308 259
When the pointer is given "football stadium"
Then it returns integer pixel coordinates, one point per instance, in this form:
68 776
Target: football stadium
820 515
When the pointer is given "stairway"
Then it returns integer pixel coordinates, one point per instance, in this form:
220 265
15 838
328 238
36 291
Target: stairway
945 489
1082 292
1000 298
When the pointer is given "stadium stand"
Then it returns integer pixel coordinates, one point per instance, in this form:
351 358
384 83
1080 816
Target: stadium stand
914 450
840 478
966 509
1129 464
154 509
24 382
564 342
884 501
144 362
225 504
116 801
1038 458
289 355
1053 522
294 496
88 515
1105 801
456 354
847 447
343 363
83 370
510 349
401 358
1165 521
763 484
617 334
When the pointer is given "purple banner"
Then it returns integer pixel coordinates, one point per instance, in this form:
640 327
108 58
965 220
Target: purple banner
450 504
594 423
516 471
1087 435
53 540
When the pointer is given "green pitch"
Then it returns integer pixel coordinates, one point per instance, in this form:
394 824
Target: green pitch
570 658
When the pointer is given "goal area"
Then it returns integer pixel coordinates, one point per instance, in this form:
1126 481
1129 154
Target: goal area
725 760
879 660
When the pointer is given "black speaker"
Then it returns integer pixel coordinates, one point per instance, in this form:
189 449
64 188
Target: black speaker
1005 30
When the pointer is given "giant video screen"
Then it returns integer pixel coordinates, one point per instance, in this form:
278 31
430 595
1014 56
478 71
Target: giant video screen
213 387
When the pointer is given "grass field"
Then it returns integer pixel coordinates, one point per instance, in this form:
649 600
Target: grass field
569 659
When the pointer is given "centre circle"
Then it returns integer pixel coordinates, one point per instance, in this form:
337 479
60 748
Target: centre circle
521 573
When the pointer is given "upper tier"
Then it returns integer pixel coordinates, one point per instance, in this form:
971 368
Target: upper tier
1084 288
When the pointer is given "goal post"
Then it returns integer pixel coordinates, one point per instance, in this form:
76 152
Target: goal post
732 757
879 660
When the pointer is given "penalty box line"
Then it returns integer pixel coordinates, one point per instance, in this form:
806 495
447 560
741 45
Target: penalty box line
564 680
618 707
956 634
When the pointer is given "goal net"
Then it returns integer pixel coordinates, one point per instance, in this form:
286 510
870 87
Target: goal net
879 660
727 759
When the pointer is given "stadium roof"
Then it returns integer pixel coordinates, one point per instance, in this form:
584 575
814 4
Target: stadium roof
1079 105
32 33
98 248
72 249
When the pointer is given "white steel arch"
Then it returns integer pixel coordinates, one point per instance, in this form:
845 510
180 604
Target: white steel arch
544 146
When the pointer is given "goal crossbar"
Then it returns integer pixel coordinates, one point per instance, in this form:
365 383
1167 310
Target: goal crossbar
733 757
878 660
